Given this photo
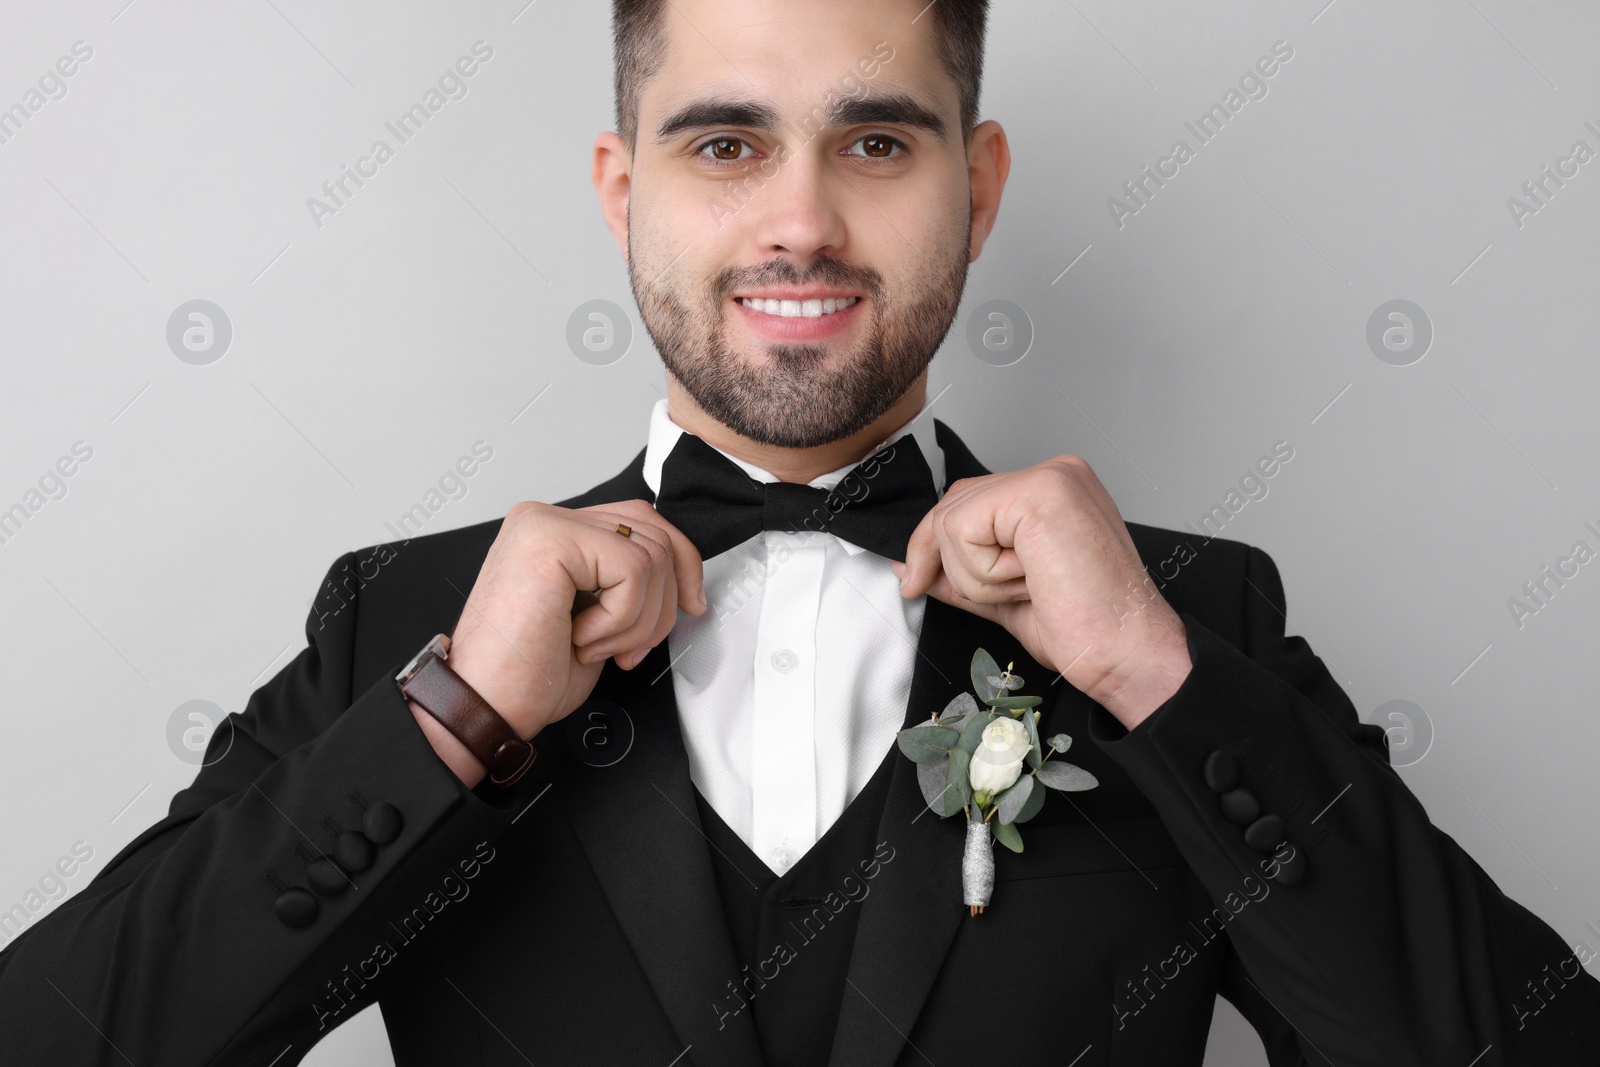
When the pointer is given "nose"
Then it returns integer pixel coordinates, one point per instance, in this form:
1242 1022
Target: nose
799 210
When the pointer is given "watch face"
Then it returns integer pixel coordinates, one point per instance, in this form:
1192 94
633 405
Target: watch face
439 646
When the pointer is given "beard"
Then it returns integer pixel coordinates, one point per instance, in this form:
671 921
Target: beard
794 399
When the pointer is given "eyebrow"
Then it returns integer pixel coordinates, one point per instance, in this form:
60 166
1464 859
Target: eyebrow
892 108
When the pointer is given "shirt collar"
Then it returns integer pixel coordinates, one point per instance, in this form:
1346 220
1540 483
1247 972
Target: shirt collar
664 434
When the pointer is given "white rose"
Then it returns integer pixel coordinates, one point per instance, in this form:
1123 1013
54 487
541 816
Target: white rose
997 762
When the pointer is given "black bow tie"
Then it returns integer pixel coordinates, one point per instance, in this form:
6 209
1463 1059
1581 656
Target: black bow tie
717 505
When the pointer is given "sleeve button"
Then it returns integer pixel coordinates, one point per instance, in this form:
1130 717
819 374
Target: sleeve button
295 907
382 823
353 851
1221 771
326 877
1265 834
1240 806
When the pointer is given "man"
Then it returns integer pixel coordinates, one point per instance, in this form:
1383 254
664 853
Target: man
713 853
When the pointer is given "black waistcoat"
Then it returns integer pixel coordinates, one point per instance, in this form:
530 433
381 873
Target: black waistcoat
792 933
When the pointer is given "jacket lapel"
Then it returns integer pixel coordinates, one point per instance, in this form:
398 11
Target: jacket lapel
908 922
910 919
640 828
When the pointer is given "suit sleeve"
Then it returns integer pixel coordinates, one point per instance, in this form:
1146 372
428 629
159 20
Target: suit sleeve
178 952
1367 936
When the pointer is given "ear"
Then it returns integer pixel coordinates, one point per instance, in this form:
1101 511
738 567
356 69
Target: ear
988 165
612 163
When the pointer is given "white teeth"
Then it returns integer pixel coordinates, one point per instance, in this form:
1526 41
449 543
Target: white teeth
794 309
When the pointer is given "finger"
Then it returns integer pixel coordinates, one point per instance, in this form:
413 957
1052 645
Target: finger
1006 567
639 634
620 570
666 620
942 590
968 546
687 566
667 608
679 569
922 563
629 648
982 567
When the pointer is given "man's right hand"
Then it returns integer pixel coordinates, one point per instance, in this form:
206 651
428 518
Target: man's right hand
534 636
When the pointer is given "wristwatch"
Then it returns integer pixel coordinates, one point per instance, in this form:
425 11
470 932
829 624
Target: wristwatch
429 682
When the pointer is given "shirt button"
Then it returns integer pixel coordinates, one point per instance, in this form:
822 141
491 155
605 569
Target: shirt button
784 857
784 660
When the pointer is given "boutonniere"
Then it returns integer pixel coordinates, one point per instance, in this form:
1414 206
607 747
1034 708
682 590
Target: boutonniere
971 759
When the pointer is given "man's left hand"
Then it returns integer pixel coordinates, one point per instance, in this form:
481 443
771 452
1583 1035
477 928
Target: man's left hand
1044 552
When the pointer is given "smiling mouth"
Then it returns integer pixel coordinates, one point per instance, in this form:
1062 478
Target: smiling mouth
800 309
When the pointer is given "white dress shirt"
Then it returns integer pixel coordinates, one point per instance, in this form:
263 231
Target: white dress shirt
777 746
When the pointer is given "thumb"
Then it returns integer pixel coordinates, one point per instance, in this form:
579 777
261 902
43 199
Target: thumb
941 589
922 565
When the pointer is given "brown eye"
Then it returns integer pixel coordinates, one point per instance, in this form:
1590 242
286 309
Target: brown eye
878 146
725 149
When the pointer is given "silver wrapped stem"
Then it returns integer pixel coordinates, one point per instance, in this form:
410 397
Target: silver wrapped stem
977 866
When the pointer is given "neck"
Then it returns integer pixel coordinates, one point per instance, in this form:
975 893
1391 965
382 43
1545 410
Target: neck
797 465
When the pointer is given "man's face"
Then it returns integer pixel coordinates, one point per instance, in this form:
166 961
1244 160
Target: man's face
806 155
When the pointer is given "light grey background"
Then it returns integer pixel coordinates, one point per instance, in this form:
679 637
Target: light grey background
431 312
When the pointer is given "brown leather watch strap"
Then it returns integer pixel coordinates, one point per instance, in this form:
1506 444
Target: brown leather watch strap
441 692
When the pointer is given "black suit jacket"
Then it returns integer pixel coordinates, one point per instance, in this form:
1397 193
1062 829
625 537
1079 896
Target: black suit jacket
575 920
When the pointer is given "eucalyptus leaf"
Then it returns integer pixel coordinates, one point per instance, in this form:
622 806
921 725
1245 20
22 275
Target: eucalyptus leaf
1014 703
959 787
927 743
1011 800
972 730
1060 742
932 778
976 812
1031 806
1035 755
960 704
1066 777
983 668
1007 835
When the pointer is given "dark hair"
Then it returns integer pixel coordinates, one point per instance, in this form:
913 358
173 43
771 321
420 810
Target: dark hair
640 45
